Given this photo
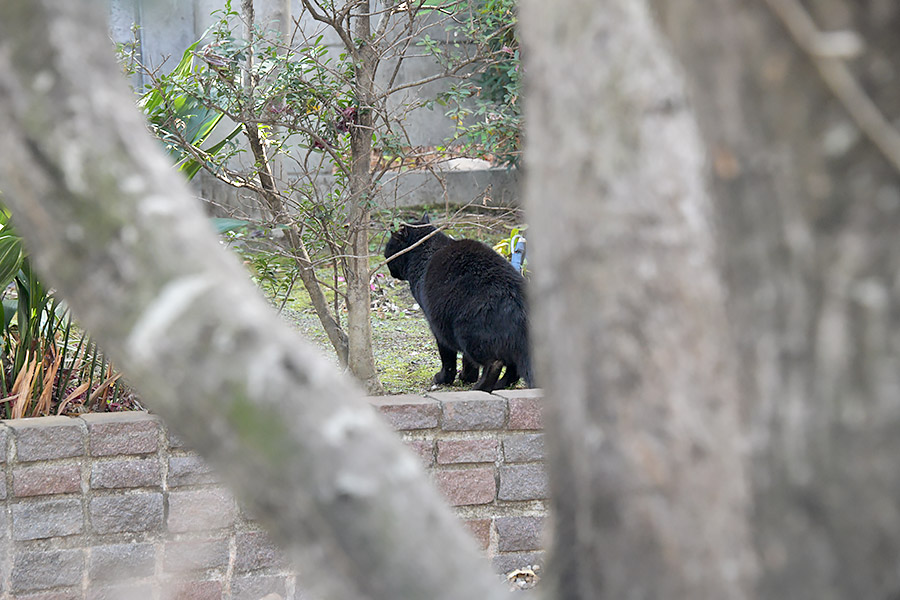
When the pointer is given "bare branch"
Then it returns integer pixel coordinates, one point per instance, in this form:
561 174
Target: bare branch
820 47
335 24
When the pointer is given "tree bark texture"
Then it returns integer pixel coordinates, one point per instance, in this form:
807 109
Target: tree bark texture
628 313
113 228
359 299
809 211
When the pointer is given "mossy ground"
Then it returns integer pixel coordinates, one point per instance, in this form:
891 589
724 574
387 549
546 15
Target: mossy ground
405 352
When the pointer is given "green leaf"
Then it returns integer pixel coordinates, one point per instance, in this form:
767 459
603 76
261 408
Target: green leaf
151 101
11 256
190 167
10 308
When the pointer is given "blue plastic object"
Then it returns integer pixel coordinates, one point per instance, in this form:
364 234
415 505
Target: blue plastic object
518 255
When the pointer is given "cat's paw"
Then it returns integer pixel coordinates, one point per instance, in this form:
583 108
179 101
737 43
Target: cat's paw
443 377
469 372
469 377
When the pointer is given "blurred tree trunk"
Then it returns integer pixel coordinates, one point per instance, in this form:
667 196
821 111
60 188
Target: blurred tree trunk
804 341
629 324
809 215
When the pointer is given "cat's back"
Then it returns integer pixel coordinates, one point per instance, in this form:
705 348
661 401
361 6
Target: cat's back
468 265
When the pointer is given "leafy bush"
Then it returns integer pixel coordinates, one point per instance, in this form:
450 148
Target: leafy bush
486 107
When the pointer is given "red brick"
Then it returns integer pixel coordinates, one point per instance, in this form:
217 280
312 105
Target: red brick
190 469
407 412
124 513
130 473
524 408
42 480
523 447
523 482
519 533
254 550
116 561
526 393
509 561
4 436
481 531
468 486
69 594
41 519
122 433
467 451
46 438
45 569
424 449
471 411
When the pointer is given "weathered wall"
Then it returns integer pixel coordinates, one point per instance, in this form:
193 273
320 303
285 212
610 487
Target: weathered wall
112 506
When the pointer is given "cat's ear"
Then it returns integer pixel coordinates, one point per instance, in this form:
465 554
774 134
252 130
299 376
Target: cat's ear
425 220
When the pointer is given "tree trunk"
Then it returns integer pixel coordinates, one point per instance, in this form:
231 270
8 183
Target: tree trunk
359 321
294 246
113 228
809 211
629 323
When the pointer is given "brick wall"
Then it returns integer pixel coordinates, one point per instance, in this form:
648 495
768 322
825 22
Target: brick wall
486 453
110 506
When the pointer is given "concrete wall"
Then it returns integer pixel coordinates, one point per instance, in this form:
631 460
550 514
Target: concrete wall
111 506
493 187
169 26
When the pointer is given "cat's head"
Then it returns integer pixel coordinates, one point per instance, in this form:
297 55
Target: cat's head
405 236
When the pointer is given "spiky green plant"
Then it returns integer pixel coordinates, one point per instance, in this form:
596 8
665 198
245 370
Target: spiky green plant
48 365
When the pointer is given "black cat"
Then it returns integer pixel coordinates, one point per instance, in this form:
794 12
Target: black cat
474 301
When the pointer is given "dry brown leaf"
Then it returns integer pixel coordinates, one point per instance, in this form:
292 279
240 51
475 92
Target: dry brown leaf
103 387
74 394
43 405
23 387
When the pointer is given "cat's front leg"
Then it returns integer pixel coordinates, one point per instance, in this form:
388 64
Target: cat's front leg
448 366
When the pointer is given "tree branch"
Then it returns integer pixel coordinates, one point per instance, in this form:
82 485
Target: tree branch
827 51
